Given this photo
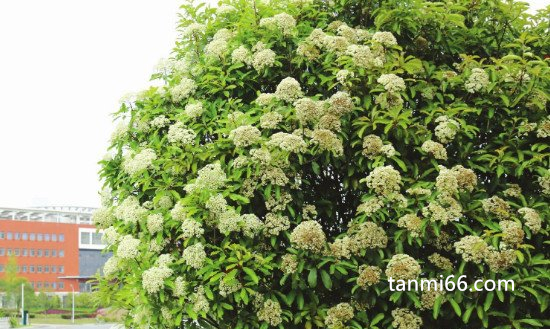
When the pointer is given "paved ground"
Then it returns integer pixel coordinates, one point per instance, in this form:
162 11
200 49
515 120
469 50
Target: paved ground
79 326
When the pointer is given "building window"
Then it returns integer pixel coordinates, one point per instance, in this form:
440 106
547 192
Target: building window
16 252
24 269
32 236
85 238
54 237
96 238
31 269
46 252
61 285
32 252
25 252
46 269
17 236
46 284
9 252
54 269
2 251
54 286
61 237
61 269
39 252
1 268
39 269
38 285
25 236
61 253
39 237
2 235
9 236
54 253
47 237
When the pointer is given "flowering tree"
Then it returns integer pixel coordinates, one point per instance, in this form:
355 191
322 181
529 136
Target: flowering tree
299 154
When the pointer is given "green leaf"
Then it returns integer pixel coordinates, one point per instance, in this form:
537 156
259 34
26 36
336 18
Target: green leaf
251 274
312 278
325 277
455 306
377 319
488 301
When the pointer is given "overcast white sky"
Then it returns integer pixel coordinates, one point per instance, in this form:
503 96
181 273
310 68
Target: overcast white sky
64 65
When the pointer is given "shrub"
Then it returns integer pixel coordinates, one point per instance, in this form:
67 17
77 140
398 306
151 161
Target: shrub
299 154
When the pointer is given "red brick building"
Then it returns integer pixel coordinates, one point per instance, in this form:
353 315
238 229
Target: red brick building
57 249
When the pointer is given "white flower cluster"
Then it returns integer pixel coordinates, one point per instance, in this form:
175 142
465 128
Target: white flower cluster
308 110
275 224
385 38
110 236
343 76
194 255
327 141
496 206
338 315
287 142
155 223
111 266
543 129
244 136
180 287
289 264
437 150
130 211
225 9
385 181
270 312
103 217
411 223
191 228
373 146
194 110
178 134
153 278
405 319
368 276
472 248
270 120
446 130
341 103
210 177
308 235
362 56
289 90
200 303
264 99
263 59
532 219
216 48
403 267
479 79
134 163
241 55
128 247
184 89
159 121
392 83
284 22
193 29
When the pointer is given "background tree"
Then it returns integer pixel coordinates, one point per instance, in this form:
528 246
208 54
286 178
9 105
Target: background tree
10 285
299 154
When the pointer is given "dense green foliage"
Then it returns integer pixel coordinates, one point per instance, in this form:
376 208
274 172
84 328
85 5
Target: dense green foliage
297 154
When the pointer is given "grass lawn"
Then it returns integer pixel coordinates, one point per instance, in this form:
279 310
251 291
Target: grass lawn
58 320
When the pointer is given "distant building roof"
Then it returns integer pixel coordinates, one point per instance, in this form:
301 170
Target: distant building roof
70 215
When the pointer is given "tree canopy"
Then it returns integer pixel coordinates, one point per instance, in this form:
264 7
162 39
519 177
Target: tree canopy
296 155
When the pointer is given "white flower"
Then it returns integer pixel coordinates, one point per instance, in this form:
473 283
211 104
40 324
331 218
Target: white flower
128 247
159 121
479 79
184 89
111 266
155 223
287 142
385 38
153 278
392 83
177 133
262 59
244 136
135 163
210 177
216 48
193 29
194 110
194 255
130 211
241 55
283 22
225 9
191 228
289 90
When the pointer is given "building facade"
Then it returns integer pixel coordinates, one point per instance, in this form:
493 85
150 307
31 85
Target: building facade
57 249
